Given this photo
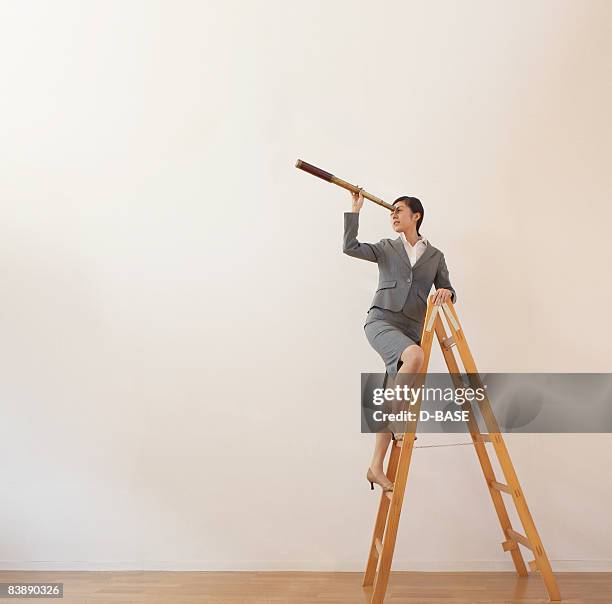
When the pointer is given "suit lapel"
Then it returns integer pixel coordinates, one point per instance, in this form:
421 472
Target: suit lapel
401 250
426 255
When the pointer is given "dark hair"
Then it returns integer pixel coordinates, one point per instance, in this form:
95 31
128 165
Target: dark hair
415 205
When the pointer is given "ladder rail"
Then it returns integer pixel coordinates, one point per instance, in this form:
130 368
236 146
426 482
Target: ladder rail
397 471
483 456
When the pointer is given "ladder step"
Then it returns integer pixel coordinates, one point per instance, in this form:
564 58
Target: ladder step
498 486
514 536
378 544
448 343
485 438
533 566
509 545
398 443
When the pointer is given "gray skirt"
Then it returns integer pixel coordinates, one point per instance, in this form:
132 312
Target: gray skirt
390 333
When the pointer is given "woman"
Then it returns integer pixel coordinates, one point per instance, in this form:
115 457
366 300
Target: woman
408 266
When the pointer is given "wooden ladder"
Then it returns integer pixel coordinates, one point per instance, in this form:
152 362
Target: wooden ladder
387 520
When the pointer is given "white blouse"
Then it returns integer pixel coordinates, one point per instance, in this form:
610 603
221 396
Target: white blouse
414 251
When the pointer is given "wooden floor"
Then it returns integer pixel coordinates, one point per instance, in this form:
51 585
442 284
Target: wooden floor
312 587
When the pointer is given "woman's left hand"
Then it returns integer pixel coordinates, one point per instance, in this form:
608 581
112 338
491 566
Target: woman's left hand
441 296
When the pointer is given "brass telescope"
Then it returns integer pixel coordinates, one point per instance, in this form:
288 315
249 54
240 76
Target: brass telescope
302 165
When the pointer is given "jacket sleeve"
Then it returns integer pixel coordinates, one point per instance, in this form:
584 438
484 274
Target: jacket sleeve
442 279
352 247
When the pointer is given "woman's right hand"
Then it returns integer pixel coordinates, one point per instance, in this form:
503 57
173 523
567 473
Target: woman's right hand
357 200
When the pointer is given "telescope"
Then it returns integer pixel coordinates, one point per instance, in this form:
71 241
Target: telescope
302 165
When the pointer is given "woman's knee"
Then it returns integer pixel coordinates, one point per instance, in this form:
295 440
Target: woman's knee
413 357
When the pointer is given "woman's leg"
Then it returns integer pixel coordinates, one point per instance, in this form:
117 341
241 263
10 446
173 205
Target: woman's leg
381 444
380 450
412 361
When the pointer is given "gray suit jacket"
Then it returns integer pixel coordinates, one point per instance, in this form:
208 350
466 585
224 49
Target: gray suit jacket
399 283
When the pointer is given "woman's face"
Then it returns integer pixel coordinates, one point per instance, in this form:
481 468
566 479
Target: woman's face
403 217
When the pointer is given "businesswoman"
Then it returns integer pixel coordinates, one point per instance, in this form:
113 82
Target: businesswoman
408 266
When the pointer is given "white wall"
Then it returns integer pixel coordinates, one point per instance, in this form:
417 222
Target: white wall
181 334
